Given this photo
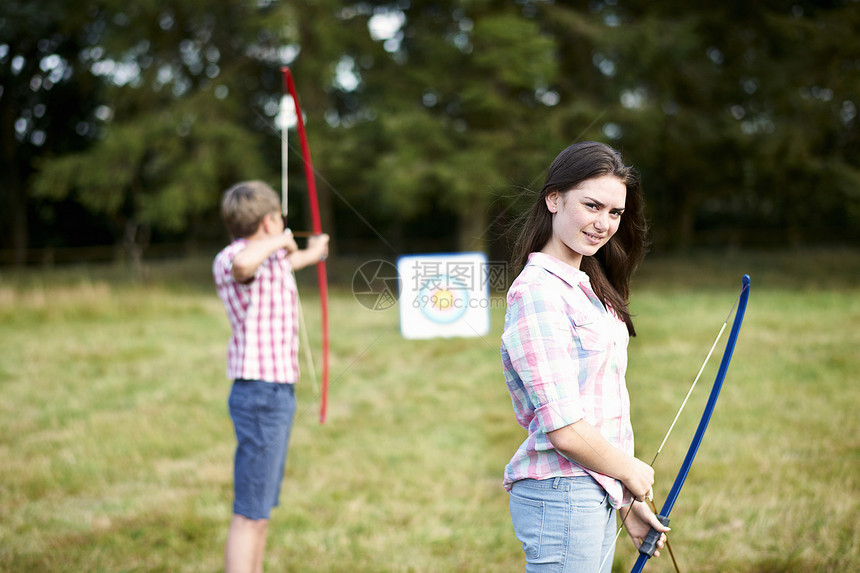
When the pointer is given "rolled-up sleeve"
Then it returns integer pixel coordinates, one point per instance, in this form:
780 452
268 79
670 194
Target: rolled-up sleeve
539 343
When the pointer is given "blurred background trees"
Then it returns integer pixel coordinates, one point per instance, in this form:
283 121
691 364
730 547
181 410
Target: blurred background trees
429 121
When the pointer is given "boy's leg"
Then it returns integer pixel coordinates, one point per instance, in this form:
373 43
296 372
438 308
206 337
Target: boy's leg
262 415
246 543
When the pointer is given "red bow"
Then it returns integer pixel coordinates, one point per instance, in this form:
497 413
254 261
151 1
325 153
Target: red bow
289 86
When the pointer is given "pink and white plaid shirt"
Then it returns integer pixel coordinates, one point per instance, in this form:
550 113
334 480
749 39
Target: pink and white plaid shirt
564 357
263 315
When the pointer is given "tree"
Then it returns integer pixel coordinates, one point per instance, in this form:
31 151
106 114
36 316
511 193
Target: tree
192 94
450 106
171 138
434 117
737 112
45 108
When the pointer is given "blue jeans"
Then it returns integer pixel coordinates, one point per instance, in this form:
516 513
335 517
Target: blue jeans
565 524
262 414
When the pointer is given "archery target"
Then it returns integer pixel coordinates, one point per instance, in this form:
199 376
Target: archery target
444 295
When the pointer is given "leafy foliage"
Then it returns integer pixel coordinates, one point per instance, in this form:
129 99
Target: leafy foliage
742 118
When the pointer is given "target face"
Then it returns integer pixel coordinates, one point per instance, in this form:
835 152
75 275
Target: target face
444 299
443 295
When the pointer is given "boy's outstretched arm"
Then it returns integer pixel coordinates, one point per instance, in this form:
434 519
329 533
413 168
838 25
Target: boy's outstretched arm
316 251
246 261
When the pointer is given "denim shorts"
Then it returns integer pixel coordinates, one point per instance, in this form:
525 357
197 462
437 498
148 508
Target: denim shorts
262 414
565 524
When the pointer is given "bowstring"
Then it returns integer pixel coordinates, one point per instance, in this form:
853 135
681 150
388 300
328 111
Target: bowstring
303 328
698 375
303 331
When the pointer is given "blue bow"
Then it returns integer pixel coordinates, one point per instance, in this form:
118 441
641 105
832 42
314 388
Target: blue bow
646 550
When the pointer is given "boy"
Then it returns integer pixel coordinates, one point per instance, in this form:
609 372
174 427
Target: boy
254 280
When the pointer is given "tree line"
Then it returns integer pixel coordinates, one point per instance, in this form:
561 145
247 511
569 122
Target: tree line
430 122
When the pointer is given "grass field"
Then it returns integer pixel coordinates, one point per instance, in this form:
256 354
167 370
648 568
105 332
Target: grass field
116 446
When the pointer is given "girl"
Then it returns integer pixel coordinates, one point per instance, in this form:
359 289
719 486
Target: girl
564 354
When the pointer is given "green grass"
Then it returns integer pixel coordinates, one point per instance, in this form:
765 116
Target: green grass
116 447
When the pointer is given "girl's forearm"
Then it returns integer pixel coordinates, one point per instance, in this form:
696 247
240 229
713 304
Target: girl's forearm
582 443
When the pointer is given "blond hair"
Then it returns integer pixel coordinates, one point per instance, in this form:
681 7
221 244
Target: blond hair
244 206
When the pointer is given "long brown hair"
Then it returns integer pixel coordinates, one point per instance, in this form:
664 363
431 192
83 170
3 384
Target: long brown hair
611 268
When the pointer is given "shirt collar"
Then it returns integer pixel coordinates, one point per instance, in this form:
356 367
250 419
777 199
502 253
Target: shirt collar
562 270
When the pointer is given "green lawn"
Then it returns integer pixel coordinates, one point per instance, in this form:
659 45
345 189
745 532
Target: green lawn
116 446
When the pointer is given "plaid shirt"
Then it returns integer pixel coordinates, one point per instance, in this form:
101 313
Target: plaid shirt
263 315
564 358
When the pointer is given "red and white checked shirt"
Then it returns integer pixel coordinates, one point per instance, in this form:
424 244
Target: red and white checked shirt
564 357
263 315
